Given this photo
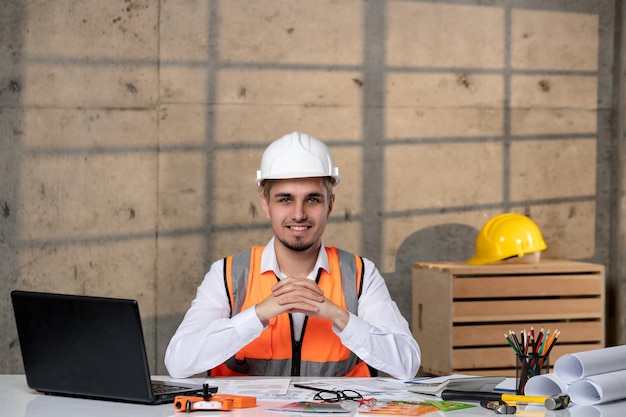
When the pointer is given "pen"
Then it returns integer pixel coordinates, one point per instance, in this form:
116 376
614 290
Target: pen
313 388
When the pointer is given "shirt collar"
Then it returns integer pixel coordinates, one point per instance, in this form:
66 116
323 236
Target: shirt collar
270 263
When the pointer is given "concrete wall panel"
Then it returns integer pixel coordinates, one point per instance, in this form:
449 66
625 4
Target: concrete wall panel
427 34
294 32
564 168
554 40
87 195
442 176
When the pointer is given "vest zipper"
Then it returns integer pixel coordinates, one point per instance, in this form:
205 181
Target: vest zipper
296 349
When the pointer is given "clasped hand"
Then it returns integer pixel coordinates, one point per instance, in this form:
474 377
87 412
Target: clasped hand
300 295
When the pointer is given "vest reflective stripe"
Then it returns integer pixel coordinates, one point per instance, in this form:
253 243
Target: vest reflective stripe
282 367
239 267
321 352
350 269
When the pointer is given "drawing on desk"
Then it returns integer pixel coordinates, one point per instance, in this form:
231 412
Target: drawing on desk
415 408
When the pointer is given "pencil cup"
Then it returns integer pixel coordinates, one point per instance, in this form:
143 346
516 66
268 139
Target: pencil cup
528 366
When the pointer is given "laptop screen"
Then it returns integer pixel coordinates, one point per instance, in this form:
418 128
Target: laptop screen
83 346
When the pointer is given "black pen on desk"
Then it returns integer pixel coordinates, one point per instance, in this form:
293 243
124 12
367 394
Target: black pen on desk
312 388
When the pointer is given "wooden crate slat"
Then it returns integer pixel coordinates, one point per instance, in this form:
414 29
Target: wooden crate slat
527 309
493 334
486 358
527 286
545 266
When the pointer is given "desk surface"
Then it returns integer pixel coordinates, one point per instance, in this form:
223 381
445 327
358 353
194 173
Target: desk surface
18 400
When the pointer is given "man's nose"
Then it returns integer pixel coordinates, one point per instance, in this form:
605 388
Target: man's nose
299 211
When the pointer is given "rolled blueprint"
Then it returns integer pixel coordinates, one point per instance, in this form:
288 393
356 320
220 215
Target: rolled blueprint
599 389
545 385
575 366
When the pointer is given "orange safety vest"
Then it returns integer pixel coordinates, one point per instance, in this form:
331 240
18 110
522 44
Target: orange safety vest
275 352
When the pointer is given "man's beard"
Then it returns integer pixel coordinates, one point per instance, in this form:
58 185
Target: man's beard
298 246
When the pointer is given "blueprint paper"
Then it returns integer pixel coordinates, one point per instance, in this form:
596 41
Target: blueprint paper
599 389
575 366
546 384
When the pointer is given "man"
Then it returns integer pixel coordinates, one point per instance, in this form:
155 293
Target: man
294 307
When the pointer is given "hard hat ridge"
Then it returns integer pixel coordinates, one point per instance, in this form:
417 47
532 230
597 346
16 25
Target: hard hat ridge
297 155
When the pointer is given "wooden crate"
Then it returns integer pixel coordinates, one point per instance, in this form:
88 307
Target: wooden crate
461 312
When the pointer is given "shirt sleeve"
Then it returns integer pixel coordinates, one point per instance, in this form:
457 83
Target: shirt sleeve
380 335
208 336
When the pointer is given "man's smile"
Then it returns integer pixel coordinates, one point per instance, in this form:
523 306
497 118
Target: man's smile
298 228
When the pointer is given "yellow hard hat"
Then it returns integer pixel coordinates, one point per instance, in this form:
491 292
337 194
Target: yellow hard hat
507 235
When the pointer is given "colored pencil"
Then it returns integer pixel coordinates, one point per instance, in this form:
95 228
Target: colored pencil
552 342
508 339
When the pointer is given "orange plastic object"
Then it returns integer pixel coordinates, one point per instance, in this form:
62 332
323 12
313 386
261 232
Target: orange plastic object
188 403
239 401
223 402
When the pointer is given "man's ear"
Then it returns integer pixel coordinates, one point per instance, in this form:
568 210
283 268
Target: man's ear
331 201
266 206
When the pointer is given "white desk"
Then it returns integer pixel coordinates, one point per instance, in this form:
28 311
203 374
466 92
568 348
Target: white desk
17 400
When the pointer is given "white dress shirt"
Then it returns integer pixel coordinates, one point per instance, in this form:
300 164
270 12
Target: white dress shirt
208 336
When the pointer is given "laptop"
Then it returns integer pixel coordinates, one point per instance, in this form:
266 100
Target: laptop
87 347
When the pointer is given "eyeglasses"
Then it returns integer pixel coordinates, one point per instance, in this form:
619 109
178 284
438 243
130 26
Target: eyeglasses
331 396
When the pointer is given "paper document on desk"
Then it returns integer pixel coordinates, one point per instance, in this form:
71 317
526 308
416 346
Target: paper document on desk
369 386
260 388
435 386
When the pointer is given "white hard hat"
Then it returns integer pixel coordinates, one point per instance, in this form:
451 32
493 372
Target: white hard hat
297 155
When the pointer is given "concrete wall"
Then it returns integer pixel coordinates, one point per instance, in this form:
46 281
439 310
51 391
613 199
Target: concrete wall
131 131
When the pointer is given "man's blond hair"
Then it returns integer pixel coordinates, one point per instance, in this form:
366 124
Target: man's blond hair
327 181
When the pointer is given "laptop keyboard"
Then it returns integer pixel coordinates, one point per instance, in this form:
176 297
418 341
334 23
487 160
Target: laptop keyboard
160 389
